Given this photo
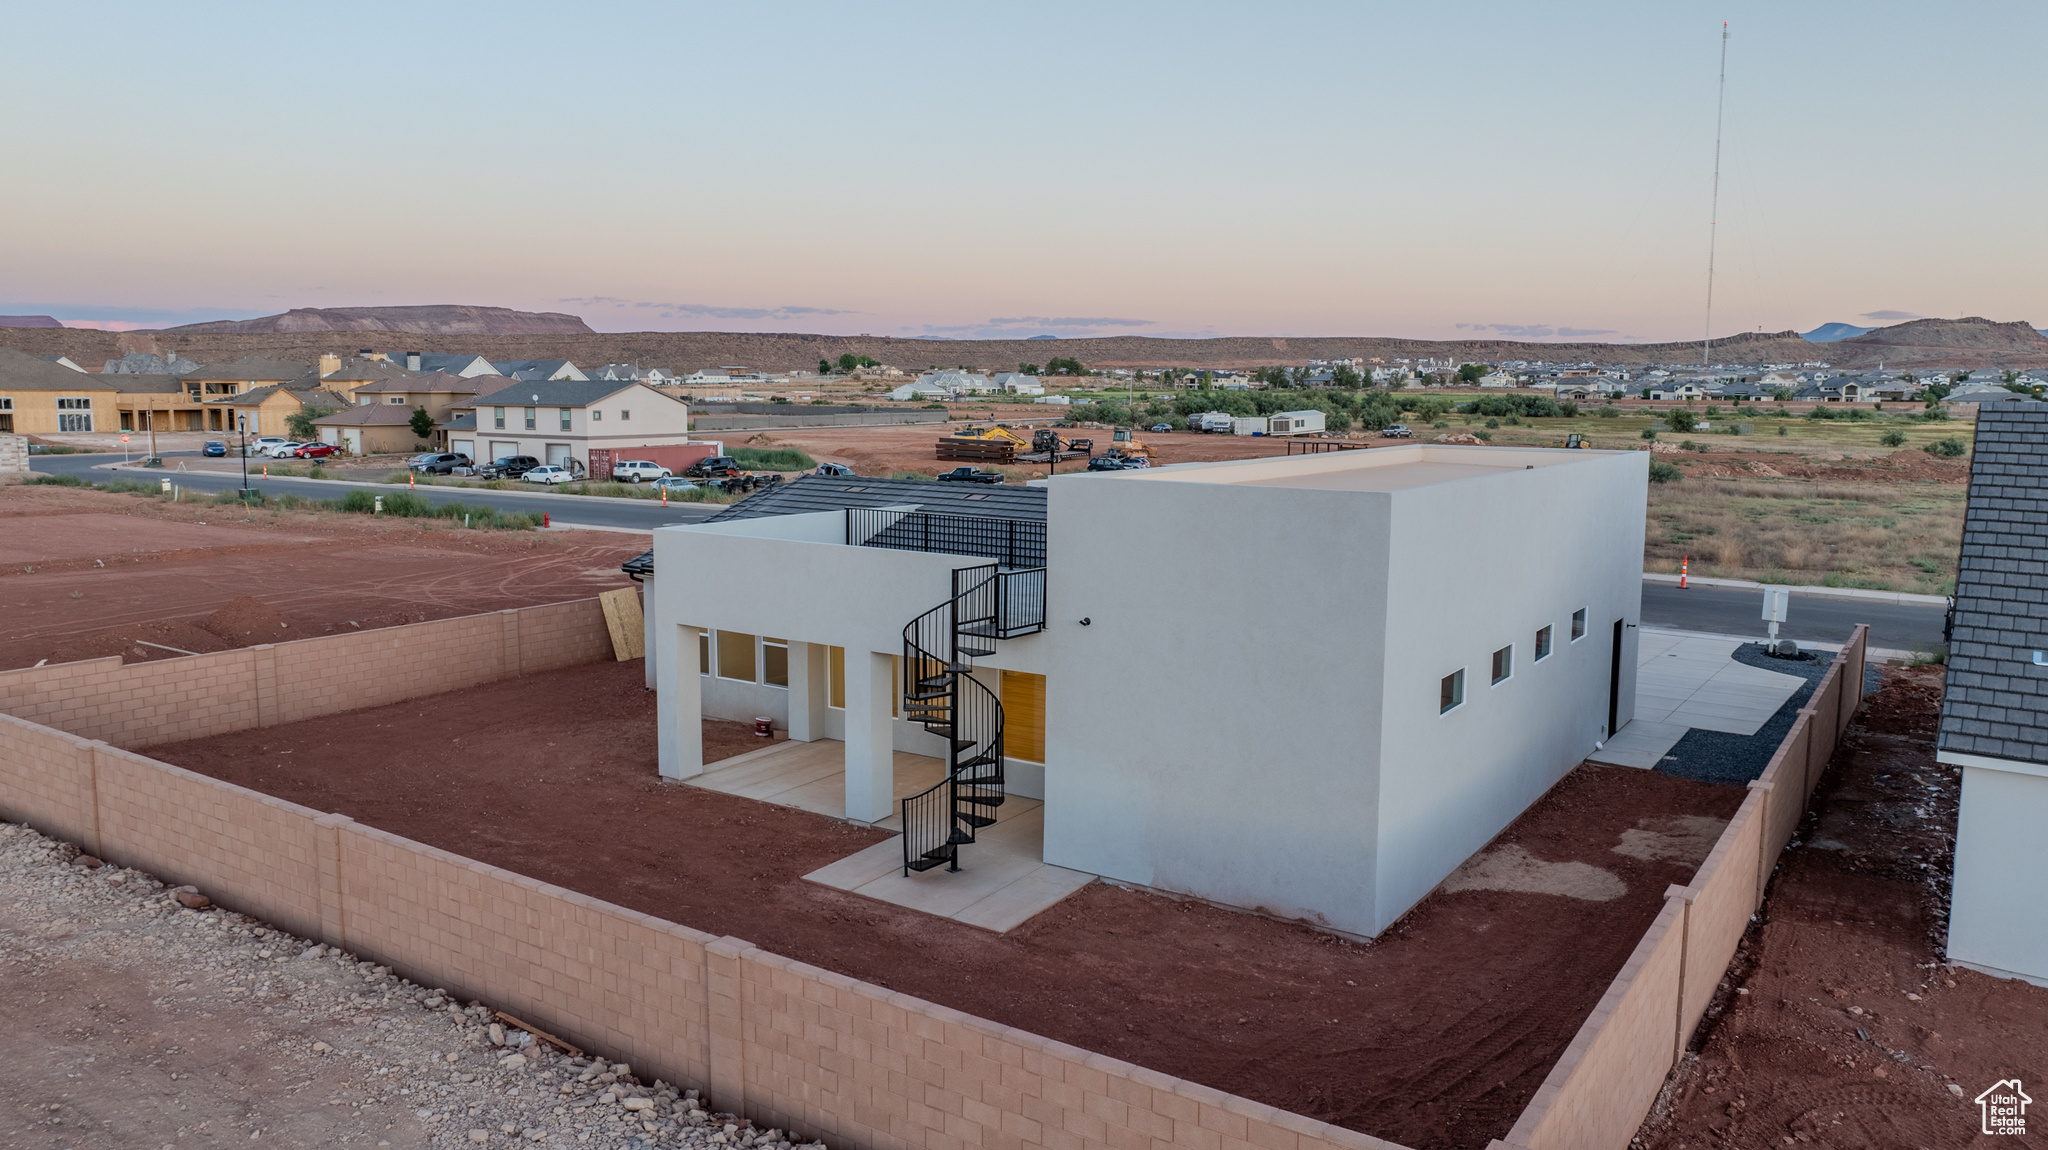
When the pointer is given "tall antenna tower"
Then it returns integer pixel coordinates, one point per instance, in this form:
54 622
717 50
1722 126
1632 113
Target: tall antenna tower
1714 213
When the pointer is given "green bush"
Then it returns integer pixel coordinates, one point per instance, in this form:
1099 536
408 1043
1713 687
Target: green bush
55 481
1649 433
358 502
1820 411
1781 430
1662 472
1440 424
1484 436
772 459
1688 445
1608 411
318 472
1948 448
1492 423
1893 438
406 505
1681 420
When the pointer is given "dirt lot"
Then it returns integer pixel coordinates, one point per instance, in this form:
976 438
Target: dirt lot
85 574
134 1022
882 450
1435 1035
1840 1026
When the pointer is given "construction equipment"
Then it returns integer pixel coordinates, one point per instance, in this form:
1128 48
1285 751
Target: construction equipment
1048 447
1574 442
993 444
1125 444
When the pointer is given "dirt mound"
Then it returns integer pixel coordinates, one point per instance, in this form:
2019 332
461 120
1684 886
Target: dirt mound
431 319
247 619
1908 704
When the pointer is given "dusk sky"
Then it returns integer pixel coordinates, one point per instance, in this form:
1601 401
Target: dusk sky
1066 169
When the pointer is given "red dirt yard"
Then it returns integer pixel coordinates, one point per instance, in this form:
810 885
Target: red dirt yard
1435 1035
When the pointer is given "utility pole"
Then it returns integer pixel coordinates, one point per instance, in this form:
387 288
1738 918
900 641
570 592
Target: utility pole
1714 212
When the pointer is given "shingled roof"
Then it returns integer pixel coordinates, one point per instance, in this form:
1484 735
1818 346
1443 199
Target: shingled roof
1996 701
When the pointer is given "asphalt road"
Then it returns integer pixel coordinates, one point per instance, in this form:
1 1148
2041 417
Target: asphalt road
1716 610
565 509
1738 611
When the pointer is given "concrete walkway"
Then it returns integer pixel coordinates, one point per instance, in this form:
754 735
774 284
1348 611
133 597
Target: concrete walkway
1683 682
1003 878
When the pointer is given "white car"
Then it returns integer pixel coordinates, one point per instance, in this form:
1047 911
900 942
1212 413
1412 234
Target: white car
635 470
548 474
263 445
283 449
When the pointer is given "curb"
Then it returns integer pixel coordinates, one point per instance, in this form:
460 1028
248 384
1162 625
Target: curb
254 478
1904 598
1881 654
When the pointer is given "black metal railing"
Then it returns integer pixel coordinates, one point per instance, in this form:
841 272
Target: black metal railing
1020 602
1010 542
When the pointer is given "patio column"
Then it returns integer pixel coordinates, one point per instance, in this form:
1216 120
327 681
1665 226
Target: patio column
647 632
679 706
806 692
870 737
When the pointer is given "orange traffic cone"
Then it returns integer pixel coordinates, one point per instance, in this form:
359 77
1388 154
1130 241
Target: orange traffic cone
1684 562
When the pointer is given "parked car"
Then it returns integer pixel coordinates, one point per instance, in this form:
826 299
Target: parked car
713 466
548 474
215 448
970 475
1105 463
263 444
285 450
508 467
835 470
674 483
1396 431
635 470
437 462
314 451
1162 427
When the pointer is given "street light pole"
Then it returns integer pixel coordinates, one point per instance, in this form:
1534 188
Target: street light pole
242 424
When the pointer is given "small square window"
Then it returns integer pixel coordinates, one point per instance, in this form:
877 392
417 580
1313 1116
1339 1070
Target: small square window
1503 664
1543 644
625 414
1452 692
596 414
1578 624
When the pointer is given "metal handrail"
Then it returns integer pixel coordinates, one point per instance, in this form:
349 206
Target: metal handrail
1010 542
940 692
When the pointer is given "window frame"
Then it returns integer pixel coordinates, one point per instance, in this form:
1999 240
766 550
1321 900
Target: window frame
769 644
597 415
1579 628
751 647
565 418
1502 658
704 652
498 417
532 418
1546 642
1453 687
625 413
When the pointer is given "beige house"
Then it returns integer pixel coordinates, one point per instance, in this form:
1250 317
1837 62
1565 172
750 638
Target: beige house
38 397
559 421
268 410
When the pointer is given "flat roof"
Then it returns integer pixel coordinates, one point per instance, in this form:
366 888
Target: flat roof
1392 468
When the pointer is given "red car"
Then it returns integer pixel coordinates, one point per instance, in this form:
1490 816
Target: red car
315 450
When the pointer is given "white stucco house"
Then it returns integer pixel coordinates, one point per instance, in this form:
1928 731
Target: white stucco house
559 420
1994 710
1360 669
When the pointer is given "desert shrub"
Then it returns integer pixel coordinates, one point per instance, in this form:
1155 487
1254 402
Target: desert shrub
359 502
1681 420
1492 423
55 481
1857 414
1893 438
1649 433
1484 436
772 459
1820 411
396 477
1688 445
1662 472
406 505
129 486
1440 424
317 472
1608 411
1948 448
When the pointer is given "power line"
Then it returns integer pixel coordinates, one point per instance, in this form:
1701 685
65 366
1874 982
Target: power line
1714 213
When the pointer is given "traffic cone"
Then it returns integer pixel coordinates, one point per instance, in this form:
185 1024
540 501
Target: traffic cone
408 480
1684 562
664 497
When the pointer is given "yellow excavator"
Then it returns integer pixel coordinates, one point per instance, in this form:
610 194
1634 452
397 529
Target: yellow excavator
994 434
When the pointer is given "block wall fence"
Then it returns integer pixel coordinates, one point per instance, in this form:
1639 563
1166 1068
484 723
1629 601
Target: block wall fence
1598 1094
777 1040
784 1043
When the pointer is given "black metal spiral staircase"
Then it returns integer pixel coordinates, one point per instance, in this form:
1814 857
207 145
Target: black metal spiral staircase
940 692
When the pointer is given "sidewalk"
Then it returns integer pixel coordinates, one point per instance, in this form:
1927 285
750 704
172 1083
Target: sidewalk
256 475
1900 597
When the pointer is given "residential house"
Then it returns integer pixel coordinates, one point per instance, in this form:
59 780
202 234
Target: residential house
40 398
63 361
561 421
1428 705
426 363
1994 711
736 375
375 429
1018 383
209 382
1685 389
1985 395
159 402
959 382
918 389
538 370
440 393
1498 378
633 371
267 410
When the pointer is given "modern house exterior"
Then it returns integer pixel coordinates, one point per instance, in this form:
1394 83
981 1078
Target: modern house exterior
559 421
1994 714
1359 670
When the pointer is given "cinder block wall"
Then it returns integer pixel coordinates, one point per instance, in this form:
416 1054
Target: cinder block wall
167 700
777 1040
13 454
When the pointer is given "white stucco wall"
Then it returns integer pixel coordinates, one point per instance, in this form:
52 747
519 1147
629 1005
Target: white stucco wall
1995 919
1476 565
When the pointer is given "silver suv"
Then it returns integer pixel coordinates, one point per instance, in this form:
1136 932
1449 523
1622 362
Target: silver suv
635 470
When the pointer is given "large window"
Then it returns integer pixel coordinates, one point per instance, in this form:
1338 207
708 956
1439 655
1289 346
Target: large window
1543 643
1578 624
1503 664
74 414
774 661
736 656
1451 692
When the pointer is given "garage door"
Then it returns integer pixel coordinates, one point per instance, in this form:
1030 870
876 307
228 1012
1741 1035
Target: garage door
463 447
500 448
558 454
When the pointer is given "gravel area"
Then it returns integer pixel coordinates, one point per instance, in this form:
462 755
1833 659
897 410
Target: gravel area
1719 757
139 1016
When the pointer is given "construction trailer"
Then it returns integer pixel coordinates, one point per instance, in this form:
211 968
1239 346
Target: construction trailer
1217 421
1250 425
1295 423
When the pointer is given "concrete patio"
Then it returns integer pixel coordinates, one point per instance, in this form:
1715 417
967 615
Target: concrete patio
1685 682
1003 879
